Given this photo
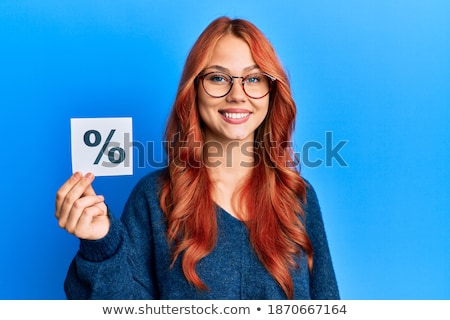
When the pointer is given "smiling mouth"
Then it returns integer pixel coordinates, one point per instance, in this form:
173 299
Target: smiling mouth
235 115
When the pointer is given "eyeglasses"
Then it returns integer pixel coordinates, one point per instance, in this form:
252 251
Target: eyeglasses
219 84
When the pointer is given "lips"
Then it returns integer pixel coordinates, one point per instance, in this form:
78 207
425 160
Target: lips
235 116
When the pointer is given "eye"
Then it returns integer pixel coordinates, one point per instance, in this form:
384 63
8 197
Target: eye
253 78
217 77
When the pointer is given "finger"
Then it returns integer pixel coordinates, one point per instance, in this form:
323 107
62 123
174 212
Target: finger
102 206
73 195
64 189
79 207
89 191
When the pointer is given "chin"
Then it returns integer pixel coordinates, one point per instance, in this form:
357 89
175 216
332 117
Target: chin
240 138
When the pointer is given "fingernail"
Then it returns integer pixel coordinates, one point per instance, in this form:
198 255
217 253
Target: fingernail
89 175
77 175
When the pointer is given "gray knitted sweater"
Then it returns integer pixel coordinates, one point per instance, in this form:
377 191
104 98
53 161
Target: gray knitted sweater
133 261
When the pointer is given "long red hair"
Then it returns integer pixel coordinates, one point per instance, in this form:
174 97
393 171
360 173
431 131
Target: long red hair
274 213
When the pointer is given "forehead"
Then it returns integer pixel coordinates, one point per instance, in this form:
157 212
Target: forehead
231 53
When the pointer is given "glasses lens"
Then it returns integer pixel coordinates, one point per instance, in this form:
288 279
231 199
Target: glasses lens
257 85
217 84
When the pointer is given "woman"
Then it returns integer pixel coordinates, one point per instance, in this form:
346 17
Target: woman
230 217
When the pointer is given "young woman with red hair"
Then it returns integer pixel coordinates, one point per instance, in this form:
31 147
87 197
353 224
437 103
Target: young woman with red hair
230 217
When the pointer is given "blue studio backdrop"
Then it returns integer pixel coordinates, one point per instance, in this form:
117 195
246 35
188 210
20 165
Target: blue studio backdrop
372 84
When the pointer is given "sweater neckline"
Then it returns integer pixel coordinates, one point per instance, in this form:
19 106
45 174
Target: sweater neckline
227 214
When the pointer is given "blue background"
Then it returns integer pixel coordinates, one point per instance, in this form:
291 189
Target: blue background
373 73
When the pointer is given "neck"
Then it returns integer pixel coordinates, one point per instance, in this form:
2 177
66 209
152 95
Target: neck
235 157
229 165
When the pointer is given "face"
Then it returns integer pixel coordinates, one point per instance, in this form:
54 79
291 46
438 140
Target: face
234 117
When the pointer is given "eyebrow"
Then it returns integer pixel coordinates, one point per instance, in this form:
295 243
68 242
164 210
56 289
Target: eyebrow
223 69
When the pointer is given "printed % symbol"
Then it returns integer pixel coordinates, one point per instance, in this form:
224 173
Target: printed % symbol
111 152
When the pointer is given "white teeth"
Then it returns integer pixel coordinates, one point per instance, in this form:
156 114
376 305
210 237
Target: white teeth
235 115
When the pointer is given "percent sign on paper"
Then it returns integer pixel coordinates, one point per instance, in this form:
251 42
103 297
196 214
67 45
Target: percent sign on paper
102 146
115 154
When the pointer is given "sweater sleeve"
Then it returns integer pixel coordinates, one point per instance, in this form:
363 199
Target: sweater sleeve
117 266
323 283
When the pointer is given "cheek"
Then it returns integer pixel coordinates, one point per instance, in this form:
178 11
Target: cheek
203 114
263 112
202 105
263 106
206 105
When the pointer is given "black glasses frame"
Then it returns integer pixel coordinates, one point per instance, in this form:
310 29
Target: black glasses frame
202 76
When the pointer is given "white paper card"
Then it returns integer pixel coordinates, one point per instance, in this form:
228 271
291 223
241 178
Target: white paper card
102 146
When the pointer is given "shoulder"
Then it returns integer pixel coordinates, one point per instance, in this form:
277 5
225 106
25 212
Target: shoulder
151 181
312 210
312 201
143 202
147 189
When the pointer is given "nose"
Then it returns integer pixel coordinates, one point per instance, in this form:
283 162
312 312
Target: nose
237 91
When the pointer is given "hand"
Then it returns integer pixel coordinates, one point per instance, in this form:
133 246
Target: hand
80 210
